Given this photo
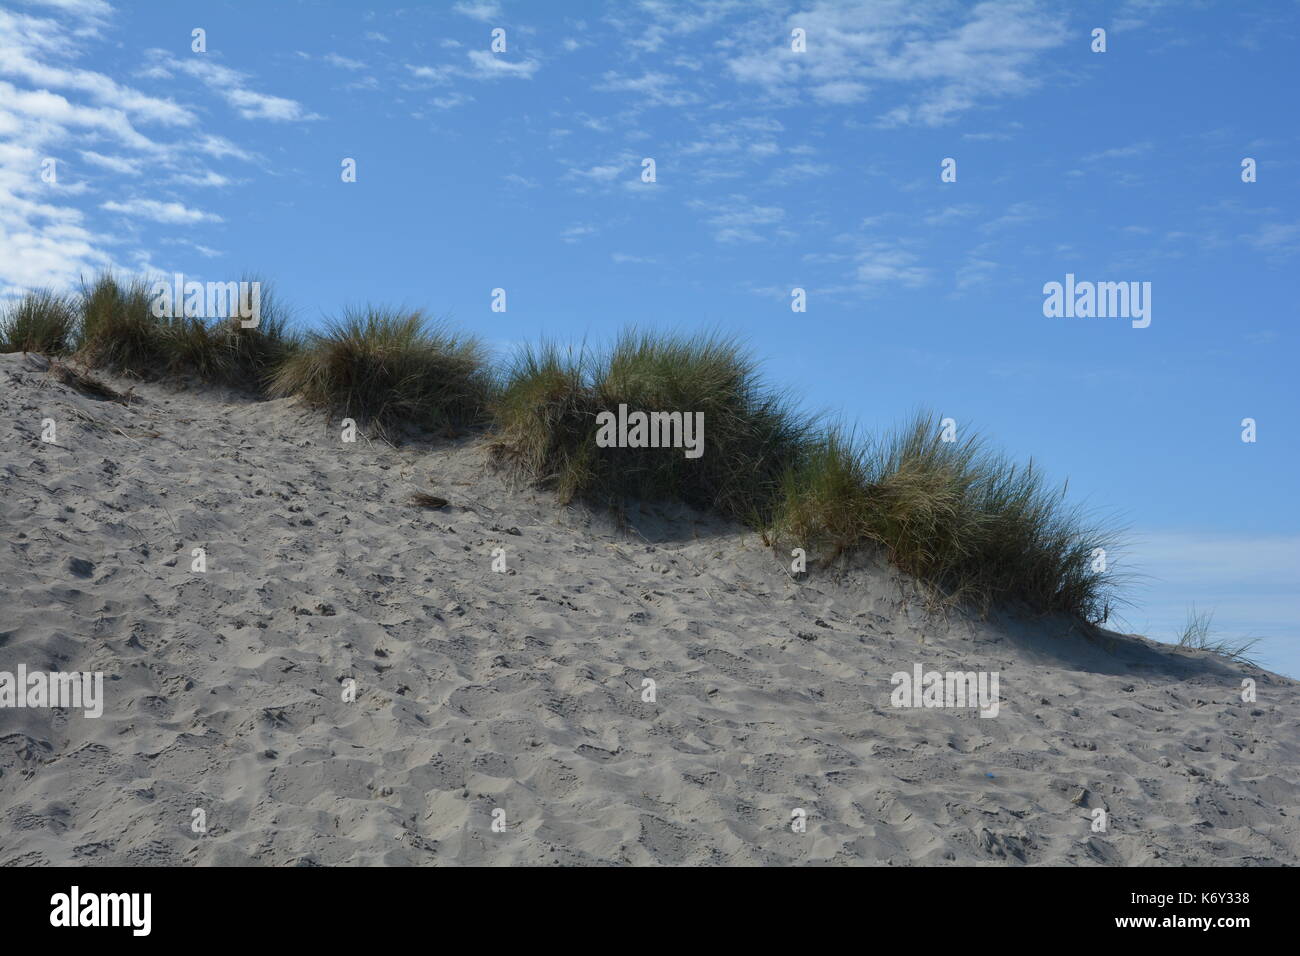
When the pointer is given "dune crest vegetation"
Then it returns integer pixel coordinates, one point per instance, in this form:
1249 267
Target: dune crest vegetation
970 523
546 423
389 367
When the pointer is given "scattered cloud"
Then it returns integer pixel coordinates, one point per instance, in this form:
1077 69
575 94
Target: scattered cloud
883 262
485 65
170 213
343 62
1119 152
485 11
115 164
737 219
937 59
231 85
578 231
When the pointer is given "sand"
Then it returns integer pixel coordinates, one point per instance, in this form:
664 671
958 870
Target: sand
521 691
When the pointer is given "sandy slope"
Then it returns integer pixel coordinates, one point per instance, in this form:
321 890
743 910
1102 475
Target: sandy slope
521 691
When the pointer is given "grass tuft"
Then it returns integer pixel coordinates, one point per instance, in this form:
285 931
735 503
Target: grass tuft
547 420
1196 637
422 499
249 358
118 331
973 525
388 367
41 321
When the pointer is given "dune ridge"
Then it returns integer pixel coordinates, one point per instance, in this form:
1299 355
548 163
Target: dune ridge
521 690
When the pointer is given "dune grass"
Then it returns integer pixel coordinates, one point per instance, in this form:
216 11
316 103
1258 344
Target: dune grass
40 321
546 417
1196 636
245 357
387 367
119 331
973 525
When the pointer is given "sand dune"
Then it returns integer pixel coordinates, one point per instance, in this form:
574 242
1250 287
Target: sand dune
522 692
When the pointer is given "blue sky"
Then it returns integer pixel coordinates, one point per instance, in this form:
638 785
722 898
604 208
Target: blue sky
775 169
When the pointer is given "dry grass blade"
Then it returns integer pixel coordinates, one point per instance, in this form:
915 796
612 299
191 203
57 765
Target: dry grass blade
1196 637
422 499
86 384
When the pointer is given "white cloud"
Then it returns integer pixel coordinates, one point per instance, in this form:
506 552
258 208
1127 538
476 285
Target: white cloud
116 164
1119 152
343 62
204 179
736 219
170 213
657 88
602 174
487 65
799 171
232 86
23 41
841 92
90 10
1017 214
1277 238
951 214
938 58
975 272
451 101
218 147
885 262
54 110
436 74
485 11
578 231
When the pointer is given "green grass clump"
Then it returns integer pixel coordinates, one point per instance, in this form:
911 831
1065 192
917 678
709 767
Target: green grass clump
118 332
824 496
388 367
547 413
41 321
973 525
255 354
225 351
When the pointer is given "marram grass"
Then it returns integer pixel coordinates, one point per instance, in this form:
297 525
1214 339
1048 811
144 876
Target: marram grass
546 417
967 522
40 321
119 331
1196 636
973 525
387 367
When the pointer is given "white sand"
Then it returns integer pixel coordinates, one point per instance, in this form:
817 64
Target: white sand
521 691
